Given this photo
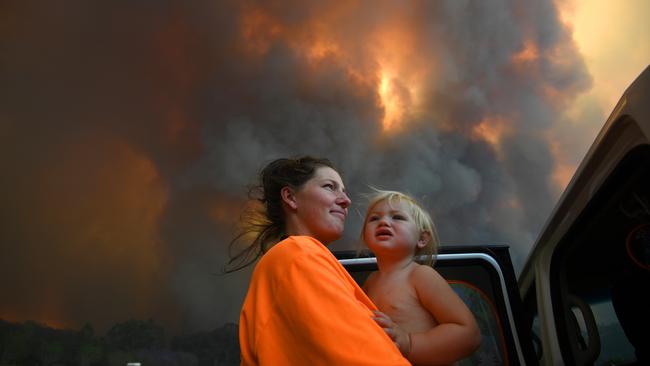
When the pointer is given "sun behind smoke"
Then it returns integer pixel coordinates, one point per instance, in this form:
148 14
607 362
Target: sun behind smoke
395 101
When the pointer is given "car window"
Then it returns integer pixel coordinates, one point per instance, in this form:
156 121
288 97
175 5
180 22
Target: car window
492 350
615 349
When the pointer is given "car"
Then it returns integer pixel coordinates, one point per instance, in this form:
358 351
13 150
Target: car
586 280
582 295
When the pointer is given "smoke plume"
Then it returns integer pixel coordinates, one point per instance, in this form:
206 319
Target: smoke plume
131 130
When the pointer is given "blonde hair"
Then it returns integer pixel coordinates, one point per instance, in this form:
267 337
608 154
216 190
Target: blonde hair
422 219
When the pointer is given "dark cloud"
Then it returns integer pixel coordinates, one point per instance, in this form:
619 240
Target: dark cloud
144 122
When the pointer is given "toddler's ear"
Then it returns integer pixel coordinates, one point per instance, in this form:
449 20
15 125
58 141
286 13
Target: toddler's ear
425 238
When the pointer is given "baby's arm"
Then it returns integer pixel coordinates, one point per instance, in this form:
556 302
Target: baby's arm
456 336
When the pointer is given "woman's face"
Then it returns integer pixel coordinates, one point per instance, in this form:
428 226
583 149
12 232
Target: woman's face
321 206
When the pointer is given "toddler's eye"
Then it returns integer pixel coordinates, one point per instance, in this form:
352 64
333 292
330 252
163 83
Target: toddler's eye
399 217
373 218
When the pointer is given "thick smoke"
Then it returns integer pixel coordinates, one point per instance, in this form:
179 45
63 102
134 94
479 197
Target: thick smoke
131 130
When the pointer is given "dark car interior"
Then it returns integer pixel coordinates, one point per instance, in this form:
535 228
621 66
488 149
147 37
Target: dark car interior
603 263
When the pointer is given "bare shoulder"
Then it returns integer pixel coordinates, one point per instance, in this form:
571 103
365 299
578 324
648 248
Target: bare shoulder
437 296
424 271
423 275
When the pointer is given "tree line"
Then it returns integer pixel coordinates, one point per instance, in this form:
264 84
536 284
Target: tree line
132 341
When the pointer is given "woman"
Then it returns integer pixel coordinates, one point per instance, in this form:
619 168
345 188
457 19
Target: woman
302 307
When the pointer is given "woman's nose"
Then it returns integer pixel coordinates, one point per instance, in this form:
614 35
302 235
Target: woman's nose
343 200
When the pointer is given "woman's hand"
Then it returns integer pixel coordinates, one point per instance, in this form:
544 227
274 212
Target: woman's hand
401 338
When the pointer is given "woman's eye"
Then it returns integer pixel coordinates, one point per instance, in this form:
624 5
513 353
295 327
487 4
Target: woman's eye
329 186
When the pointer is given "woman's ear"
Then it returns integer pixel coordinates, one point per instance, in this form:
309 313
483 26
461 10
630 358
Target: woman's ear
424 239
288 197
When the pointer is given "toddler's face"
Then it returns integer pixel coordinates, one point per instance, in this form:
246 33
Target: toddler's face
390 229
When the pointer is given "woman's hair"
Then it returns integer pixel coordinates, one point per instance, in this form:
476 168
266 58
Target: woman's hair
264 221
422 220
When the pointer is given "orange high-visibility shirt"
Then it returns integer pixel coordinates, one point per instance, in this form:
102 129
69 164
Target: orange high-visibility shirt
303 308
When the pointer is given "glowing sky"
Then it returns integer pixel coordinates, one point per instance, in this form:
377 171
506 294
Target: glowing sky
613 38
128 149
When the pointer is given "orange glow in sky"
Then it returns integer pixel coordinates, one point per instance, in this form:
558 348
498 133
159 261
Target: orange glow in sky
613 38
528 53
389 54
402 71
492 131
395 101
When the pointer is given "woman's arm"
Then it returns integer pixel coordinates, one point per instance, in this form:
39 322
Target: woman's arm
319 319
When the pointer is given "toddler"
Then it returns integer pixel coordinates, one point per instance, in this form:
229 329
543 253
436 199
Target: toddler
426 319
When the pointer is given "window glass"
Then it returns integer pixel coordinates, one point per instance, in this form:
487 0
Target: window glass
615 349
536 333
492 348
532 316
